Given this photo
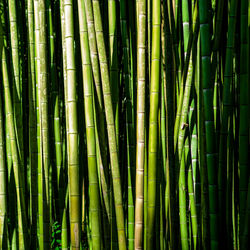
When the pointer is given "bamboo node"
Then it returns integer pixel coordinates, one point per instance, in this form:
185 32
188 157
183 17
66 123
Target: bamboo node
184 125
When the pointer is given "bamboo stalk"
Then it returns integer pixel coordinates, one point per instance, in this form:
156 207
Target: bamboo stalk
32 123
207 87
3 174
140 125
72 133
153 120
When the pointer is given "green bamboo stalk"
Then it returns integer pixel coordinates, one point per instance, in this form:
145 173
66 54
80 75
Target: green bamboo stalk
153 120
185 24
51 96
157 235
3 176
94 56
94 59
149 31
39 166
179 51
196 142
54 98
192 206
43 115
182 200
163 115
194 170
72 133
162 174
207 87
175 17
113 63
94 203
106 86
162 219
64 235
177 124
32 123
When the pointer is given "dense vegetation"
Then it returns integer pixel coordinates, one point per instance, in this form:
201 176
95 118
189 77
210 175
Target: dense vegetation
124 124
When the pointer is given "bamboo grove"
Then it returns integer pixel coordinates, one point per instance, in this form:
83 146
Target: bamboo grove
124 124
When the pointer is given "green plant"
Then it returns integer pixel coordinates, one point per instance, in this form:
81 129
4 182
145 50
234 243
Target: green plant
55 236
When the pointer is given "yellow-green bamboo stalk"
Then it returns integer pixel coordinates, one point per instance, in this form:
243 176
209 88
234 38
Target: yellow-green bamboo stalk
72 134
113 63
39 170
153 120
32 123
140 124
44 121
64 200
3 176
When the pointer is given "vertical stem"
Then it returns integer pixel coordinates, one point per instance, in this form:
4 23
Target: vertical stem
207 87
153 119
72 134
140 124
